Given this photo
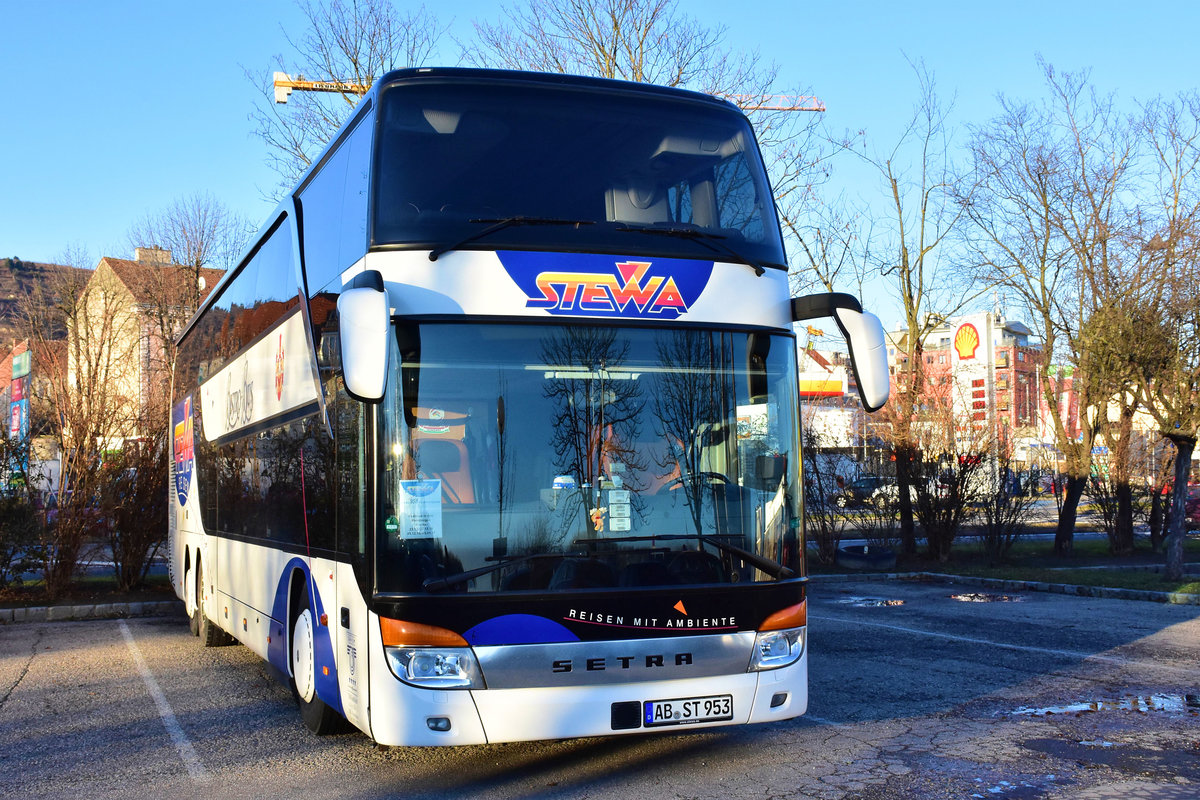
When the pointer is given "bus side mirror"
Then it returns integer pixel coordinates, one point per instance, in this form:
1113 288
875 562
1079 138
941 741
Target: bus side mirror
364 322
864 336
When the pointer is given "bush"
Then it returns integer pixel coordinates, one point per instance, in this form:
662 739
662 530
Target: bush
133 502
20 538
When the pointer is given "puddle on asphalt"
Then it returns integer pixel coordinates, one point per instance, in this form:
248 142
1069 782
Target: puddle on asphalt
1168 703
1009 789
869 602
983 597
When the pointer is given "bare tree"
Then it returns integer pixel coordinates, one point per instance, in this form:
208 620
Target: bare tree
824 522
349 41
203 239
925 205
1167 352
83 400
1049 217
198 230
834 241
644 41
1004 506
653 41
1107 340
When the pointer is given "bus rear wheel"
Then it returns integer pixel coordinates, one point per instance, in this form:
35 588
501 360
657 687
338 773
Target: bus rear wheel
209 632
192 587
317 715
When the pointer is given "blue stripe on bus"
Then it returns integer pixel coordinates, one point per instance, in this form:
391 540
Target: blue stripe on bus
518 629
277 650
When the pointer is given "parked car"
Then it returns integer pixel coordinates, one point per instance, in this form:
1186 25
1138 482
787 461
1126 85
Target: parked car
889 493
858 492
1192 509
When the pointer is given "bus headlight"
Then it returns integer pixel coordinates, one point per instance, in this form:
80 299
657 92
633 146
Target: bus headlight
435 668
775 649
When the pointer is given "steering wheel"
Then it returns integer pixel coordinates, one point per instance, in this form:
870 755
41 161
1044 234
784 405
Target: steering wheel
694 478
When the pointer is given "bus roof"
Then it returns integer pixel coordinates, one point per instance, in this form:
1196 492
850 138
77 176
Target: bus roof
545 78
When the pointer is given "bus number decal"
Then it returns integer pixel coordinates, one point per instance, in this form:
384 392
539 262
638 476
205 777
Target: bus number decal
600 286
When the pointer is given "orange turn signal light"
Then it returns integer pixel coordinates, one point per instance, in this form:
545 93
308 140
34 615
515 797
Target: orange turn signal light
791 617
401 633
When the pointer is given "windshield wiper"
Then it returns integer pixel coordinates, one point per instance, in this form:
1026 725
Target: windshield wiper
767 565
501 224
714 242
441 584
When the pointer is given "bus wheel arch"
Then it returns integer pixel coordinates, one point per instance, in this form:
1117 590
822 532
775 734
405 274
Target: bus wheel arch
317 715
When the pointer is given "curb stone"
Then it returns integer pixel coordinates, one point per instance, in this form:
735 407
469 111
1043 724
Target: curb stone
161 608
1102 592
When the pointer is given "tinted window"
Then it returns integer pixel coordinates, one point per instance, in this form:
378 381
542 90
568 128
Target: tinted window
584 457
639 170
334 205
257 296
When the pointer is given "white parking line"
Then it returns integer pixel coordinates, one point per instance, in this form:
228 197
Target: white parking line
1116 660
192 761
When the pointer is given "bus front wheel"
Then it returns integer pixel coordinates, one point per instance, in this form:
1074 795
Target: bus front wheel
317 715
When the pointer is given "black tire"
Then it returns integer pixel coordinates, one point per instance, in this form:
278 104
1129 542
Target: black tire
317 715
209 632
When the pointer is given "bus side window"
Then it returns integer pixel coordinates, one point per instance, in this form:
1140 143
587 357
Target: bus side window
335 208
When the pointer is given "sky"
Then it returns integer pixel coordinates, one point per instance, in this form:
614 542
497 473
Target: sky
113 109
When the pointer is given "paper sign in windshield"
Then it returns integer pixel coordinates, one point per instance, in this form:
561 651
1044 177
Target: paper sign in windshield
420 509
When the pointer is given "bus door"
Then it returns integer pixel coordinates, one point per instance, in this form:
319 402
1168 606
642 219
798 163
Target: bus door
349 618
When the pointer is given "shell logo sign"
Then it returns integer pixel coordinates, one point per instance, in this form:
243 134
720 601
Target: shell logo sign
966 341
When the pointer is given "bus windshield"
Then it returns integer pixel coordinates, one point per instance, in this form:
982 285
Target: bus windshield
559 457
490 164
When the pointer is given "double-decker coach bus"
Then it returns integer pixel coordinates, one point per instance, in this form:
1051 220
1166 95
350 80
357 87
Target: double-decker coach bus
493 434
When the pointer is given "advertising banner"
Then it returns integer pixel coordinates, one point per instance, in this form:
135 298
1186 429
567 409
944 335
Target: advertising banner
270 378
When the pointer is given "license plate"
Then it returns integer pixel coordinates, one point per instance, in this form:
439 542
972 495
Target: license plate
687 710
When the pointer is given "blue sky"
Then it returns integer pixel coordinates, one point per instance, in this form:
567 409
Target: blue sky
114 108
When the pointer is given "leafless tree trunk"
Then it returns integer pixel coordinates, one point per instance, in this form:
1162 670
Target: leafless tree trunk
1169 341
923 198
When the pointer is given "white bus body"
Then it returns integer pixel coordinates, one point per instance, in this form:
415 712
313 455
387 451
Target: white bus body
524 470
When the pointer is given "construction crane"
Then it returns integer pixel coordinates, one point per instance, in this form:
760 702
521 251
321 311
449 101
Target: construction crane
284 84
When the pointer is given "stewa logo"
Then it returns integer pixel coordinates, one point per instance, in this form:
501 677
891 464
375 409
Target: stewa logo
601 286
181 419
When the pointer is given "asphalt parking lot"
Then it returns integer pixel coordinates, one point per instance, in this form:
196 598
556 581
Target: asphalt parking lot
917 690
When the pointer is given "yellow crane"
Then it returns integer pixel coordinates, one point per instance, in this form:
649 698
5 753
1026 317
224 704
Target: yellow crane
284 84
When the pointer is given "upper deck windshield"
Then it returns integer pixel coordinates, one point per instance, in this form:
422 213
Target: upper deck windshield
560 457
633 172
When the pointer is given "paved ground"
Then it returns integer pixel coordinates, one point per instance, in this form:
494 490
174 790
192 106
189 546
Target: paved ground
1033 696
